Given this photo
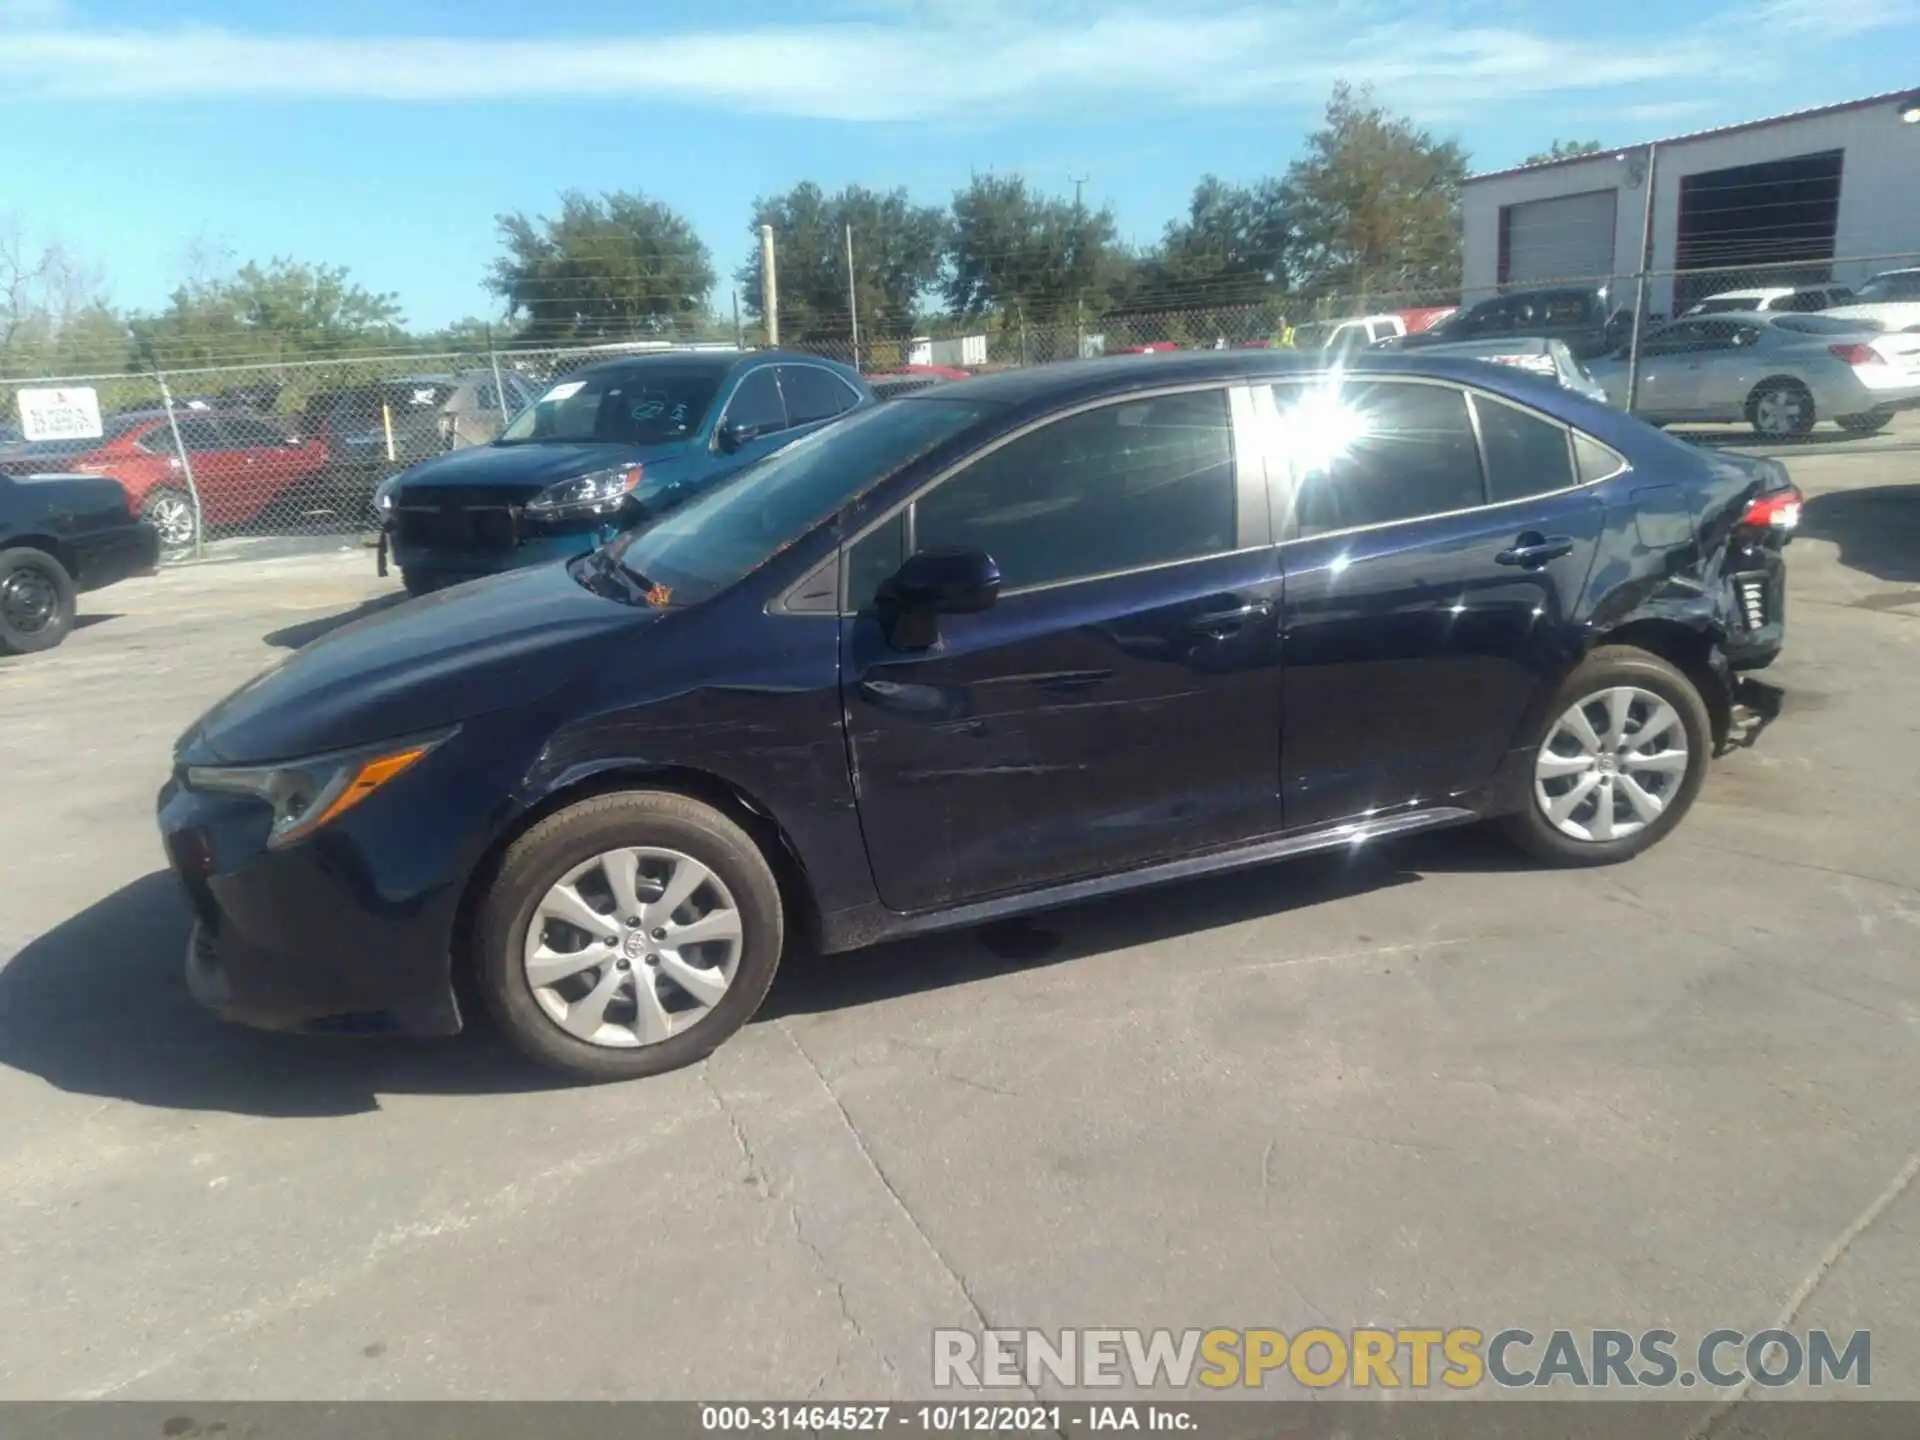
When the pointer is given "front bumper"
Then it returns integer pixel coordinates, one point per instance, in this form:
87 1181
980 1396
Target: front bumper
309 938
451 566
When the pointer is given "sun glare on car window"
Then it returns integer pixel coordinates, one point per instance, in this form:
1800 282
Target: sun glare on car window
1322 427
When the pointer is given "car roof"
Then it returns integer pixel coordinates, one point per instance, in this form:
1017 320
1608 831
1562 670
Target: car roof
1044 388
1529 344
718 363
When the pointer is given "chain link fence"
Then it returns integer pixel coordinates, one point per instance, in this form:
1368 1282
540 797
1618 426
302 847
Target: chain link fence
298 448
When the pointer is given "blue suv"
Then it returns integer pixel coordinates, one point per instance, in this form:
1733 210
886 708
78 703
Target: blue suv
601 451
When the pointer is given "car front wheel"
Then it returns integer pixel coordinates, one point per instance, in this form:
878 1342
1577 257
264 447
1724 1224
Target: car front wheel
1869 424
171 513
1620 763
628 935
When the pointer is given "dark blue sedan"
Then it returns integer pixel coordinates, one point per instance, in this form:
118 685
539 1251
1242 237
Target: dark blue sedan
601 451
1035 638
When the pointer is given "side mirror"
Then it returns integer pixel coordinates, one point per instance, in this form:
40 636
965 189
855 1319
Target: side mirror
732 435
946 582
933 583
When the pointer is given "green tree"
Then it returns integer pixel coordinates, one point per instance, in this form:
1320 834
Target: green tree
897 252
1016 252
1230 249
603 269
1563 150
285 310
54 319
1375 205
1233 242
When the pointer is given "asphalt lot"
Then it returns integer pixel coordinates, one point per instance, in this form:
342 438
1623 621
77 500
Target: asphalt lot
1422 1086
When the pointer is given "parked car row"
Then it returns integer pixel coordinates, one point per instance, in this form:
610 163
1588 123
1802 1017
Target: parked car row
238 463
845 671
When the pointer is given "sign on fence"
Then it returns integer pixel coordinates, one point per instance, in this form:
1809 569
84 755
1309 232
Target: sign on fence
69 413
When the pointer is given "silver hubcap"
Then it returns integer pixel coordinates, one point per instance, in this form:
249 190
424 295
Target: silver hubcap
1611 765
1778 412
173 518
632 947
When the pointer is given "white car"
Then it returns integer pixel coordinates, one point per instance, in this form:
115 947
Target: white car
1780 372
1345 336
1798 298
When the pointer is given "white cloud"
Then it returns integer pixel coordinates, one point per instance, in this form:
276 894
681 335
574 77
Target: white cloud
892 60
1833 18
37 13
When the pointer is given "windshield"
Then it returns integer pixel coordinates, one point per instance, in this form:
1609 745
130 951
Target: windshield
721 536
650 404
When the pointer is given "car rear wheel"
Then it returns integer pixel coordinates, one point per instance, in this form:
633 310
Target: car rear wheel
171 513
1620 763
1780 409
36 601
628 935
1871 424
415 583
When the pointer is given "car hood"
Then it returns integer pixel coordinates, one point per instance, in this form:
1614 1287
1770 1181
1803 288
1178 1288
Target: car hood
505 641
532 464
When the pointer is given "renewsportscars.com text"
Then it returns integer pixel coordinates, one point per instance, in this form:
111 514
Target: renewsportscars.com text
1455 1358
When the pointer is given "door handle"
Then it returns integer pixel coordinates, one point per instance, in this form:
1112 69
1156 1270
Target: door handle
1532 551
1222 623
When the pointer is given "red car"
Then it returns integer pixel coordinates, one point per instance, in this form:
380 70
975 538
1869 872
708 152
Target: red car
241 461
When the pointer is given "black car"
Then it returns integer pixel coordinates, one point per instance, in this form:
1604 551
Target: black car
1584 316
61 535
1003 644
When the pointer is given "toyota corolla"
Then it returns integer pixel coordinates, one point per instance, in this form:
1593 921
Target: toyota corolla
1035 638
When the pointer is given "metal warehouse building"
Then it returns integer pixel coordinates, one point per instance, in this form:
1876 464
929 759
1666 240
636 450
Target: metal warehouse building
1826 194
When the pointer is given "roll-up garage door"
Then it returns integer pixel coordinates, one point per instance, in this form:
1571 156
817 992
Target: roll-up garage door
1566 238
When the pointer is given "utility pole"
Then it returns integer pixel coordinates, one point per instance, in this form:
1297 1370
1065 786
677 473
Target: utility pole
739 335
1640 294
769 288
1079 292
853 300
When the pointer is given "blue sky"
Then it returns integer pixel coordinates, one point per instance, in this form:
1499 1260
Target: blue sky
387 136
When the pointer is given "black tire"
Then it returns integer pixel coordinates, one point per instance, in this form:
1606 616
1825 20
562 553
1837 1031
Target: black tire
36 601
1781 392
1609 667
538 859
1870 424
417 584
171 512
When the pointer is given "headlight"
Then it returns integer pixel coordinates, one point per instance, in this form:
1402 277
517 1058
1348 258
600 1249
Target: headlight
600 492
307 794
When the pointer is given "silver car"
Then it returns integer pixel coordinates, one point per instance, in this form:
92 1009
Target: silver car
1781 373
1551 359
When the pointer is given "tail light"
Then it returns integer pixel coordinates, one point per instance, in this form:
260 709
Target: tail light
1779 510
1857 354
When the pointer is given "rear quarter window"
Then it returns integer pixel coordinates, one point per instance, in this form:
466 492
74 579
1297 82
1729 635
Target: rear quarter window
1526 454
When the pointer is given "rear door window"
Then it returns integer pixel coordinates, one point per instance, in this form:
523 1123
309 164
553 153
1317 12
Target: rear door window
1374 453
813 394
200 433
246 433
